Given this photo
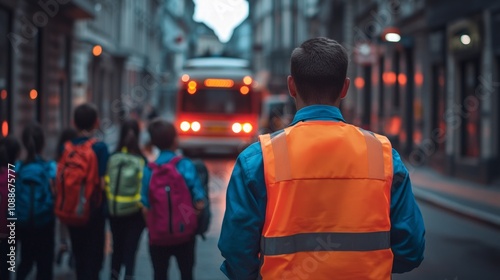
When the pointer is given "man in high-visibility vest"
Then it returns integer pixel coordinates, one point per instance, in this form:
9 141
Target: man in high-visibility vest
320 199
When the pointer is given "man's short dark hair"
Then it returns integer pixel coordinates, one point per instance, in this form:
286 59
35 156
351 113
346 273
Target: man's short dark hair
162 133
319 69
85 116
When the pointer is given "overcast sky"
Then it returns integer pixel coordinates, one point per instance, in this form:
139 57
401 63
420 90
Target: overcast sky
221 15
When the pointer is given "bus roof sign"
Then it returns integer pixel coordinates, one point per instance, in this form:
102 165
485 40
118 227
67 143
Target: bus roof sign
221 83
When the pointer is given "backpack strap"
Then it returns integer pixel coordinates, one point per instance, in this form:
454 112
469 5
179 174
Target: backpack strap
38 160
69 144
175 160
153 165
90 142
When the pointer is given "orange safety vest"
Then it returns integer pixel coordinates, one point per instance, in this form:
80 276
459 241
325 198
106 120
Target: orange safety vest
328 203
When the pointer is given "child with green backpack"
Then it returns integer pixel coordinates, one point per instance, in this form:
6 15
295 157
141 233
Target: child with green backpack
123 189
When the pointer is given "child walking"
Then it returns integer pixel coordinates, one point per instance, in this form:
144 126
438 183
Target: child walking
172 196
124 181
35 206
80 193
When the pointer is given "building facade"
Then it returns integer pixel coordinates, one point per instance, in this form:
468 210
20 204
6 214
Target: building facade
278 27
35 65
117 61
433 91
59 54
240 44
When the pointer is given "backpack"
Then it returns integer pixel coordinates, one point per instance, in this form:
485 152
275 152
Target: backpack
34 199
77 184
4 194
171 219
205 216
124 182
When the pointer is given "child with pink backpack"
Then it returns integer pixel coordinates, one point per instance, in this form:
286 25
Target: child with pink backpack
172 196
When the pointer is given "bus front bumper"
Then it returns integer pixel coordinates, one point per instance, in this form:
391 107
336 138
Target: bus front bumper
215 144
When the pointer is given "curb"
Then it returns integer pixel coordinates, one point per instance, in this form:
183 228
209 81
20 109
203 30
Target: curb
465 210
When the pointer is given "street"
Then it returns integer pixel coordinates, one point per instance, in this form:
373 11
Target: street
456 248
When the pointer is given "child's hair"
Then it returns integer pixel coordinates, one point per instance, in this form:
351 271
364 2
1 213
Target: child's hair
129 137
33 140
85 117
67 134
162 133
9 150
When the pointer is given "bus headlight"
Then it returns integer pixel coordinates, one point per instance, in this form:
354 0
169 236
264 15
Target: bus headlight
236 127
247 127
185 126
195 126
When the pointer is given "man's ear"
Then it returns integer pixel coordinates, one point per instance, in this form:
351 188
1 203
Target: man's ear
292 89
345 88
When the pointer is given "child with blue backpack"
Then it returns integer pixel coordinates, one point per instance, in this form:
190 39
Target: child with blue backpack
35 206
9 152
173 197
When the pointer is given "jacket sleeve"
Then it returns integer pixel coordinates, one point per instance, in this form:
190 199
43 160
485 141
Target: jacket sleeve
188 171
146 176
407 225
239 241
102 153
52 169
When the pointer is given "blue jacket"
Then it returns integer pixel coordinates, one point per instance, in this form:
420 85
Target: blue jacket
185 167
246 201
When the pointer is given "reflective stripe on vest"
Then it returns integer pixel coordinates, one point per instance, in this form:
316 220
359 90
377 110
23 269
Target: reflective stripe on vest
325 241
328 203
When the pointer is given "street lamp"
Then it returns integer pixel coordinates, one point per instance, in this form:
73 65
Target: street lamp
392 37
465 39
391 34
97 50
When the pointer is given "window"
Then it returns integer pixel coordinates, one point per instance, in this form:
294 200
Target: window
470 129
217 101
381 91
439 107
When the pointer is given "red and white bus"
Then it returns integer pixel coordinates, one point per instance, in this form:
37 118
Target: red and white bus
217 106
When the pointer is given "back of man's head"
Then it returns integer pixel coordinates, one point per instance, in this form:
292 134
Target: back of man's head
85 117
319 69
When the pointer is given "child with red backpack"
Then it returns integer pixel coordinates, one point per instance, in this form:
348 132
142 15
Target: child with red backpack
9 152
35 206
172 196
123 186
80 196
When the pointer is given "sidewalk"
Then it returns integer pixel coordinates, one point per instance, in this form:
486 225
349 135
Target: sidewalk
480 202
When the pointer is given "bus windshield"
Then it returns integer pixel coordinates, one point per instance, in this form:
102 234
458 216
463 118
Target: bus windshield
216 101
